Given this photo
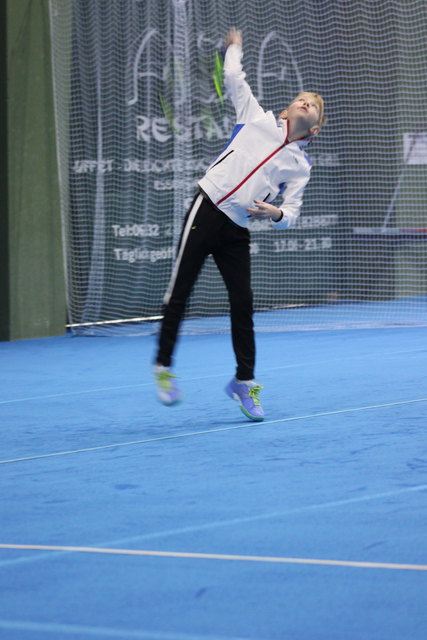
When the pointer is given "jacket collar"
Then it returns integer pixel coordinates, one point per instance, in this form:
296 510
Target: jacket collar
301 142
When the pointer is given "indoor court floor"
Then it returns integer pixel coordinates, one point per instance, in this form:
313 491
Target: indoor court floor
122 518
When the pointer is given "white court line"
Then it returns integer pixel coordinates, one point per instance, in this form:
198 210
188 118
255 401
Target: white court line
219 375
226 523
218 556
218 430
73 393
105 632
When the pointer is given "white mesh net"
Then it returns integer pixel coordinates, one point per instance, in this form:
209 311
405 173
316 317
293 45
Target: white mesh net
140 115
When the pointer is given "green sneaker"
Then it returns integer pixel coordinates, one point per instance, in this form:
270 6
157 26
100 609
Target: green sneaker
168 391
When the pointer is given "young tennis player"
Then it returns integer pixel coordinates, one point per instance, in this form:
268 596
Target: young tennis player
264 158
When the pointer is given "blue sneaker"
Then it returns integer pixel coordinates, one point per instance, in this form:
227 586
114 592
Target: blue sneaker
246 394
168 391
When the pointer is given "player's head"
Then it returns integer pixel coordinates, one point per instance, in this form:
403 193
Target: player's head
306 113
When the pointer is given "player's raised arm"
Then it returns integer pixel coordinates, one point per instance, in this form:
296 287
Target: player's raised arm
245 103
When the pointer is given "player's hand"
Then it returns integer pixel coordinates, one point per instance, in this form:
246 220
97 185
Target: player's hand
264 210
234 36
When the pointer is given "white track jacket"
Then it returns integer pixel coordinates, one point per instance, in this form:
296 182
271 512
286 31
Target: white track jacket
259 162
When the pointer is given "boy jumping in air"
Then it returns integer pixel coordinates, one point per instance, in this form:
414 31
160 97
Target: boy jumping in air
263 159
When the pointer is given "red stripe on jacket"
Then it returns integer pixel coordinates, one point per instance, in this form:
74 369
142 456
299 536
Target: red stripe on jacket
251 173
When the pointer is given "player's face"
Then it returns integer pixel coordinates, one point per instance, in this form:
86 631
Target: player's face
304 106
304 111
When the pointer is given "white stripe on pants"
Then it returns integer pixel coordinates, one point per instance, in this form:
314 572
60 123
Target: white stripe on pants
185 233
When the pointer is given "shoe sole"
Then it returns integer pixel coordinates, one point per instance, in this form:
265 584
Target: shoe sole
168 403
250 416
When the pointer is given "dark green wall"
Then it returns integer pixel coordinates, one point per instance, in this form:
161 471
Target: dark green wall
31 259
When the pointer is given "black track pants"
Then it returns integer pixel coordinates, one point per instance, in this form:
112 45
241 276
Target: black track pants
208 231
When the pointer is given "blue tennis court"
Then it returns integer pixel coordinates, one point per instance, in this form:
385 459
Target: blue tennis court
121 518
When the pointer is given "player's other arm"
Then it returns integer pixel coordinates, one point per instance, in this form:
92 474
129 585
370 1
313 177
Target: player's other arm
245 103
292 202
286 214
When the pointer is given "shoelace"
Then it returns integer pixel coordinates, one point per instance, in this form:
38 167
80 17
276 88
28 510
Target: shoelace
164 380
253 393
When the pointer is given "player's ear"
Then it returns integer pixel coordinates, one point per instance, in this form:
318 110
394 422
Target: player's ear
314 131
283 114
